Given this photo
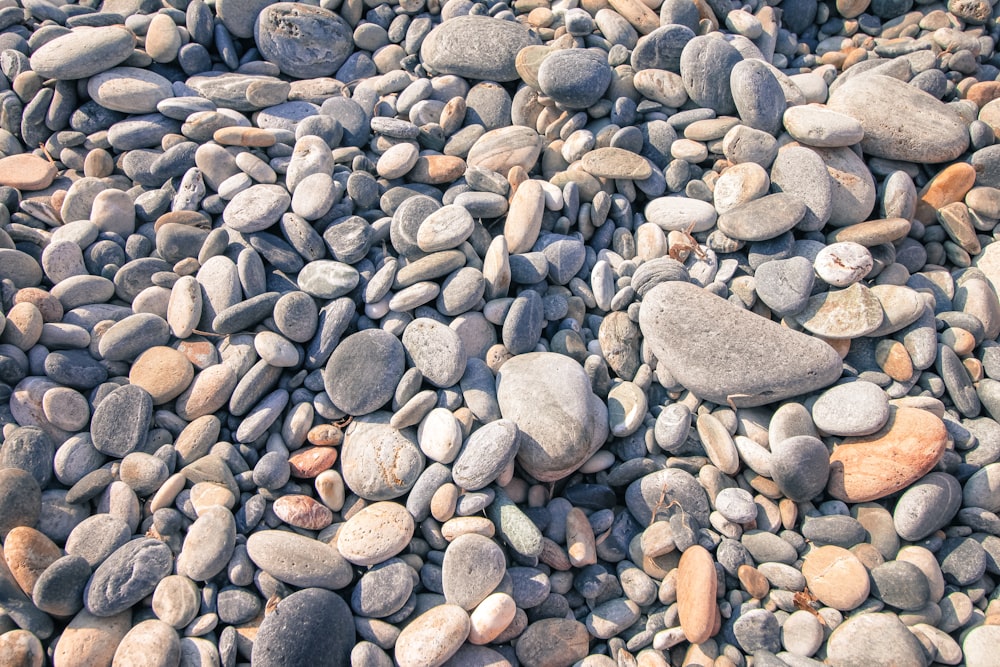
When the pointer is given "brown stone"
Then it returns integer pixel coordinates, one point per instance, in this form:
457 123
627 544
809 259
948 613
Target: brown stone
894 360
244 136
325 435
27 172
957 222
874 466
873 232
642 18
580 542
611 162
163 372
836 577
24 326
303 512
950 185
28 552
983 92
49 306
437 169
309 462
697 586
753 581
208 392
553 642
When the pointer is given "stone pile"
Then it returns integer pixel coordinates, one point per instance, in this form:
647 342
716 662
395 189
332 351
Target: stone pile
585 332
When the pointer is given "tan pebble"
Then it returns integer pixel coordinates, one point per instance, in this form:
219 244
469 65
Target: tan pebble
20 648
27 172
163 40
974 368
950 185
303 512
376 533
871 467
90 640
187 218
150 643
24 326
618 163
642 18
491 617
789 513
397 161
437 169
330 489
432 637
657 539
501 149
580 542
28 552
893 359
244 136
326 435
49 306
836 577
460 525
868 555
209 391
696 592
162 371
210 494
309 462
66 408
753 581
983 92
443 502
98 164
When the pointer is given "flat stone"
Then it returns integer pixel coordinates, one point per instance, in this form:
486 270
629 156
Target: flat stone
127 576
380 462
836 577
83 53
853 408
839 314
375 534
473 566
129 90
871 467
815 125
874 639
681 323
696 589
363 371
27 172
763 218
476 47
433 637
299 560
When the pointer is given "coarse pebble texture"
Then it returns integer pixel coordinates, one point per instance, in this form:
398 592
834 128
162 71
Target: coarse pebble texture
486 333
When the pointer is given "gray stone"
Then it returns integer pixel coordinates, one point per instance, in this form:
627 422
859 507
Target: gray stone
363 371
304 42
476 47
127 576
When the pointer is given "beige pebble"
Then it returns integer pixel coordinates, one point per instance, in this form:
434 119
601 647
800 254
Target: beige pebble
210 494
176 600
89 640
330 489
150 643
20 648
24 326
66 408
491 617
433 637
28 552
27 172
163 372
443 502
375 534
836 576
460 525
580 543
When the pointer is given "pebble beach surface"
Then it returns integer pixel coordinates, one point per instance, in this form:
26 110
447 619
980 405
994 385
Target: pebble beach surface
591 333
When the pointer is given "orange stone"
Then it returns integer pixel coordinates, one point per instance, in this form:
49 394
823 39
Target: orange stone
27 172
950 185
28 552
983 92
874 466
303 512
894 360
309 462
697 586
836 576
244 136
437 169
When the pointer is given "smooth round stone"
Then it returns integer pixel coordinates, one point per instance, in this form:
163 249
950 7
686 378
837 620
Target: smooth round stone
151 642
444 229
611 162
575 78
97 537
20 268
800 466
836 577
758 630
785 285
163 41
144 473
852 187
383 590
176 601
979 646
397 161
256 208
839 314
874 639
978 490
163 372
127 339
627 404
433 637
681 214
853 408
870 467
901 585
472 568
757 95
127 576
298 560
706 65
815 125
110 434
562 422
74 368
362 373
304 42
927 506
612 617
842 264
737 505
487 452
553 641
83 53
208 545
696 589
375 534
327 279
739 184
90 639
30 449
302 512
28 553
380 462
440 435
476 47
296 316
20 500
435 350
802 633
308 623
237 605
924 129
59 589
764 218
129 90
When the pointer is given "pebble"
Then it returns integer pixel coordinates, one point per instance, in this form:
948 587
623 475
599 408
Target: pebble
851 409
375 534
307 623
